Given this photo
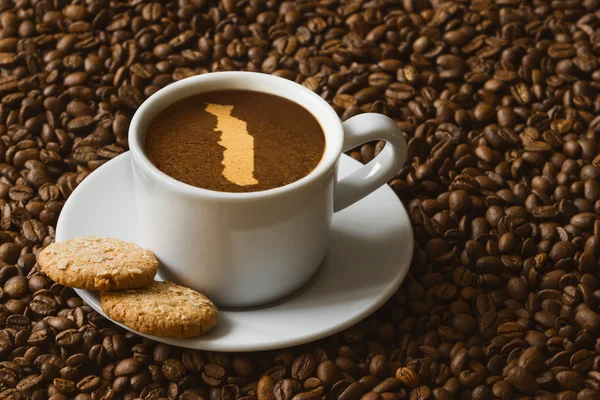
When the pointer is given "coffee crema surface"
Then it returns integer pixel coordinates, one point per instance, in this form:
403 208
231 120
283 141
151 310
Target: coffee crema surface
235 141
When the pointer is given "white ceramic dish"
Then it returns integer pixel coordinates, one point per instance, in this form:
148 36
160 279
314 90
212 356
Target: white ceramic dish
369 255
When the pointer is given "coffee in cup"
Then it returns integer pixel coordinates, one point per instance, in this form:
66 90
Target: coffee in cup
235 141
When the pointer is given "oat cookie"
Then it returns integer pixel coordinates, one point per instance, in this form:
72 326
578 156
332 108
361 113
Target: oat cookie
96 263
162 309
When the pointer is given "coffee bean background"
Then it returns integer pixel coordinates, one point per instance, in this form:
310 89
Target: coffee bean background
500 103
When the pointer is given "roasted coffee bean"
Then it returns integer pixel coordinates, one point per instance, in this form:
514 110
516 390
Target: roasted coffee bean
16 286
68 338
265 388
387 385
64 386
587 319
502 390
353 392
407 376
532 360
173 370
570 380
286 389
421 393
303 367
338 388
328 373
306 396
213 374
378 365
29 384
522 380
61 323
582 360
193 360
89 384
127 367
43 305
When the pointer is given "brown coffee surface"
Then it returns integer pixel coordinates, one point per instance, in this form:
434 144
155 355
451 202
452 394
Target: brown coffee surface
235 141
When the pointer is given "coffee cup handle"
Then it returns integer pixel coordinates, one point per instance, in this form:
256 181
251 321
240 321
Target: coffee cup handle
361 129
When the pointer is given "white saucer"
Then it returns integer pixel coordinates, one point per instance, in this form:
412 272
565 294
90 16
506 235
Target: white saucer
368 258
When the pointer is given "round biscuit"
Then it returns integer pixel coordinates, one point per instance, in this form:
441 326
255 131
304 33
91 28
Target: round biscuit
96 263
161 309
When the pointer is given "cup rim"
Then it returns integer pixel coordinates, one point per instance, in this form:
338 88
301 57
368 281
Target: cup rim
328 119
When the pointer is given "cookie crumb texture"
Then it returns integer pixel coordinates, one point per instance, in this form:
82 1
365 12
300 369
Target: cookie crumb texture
162 309
95 263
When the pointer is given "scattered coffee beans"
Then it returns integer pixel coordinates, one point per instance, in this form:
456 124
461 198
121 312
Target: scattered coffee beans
499 102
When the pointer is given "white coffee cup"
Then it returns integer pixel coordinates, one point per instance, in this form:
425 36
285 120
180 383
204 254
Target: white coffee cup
246 249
